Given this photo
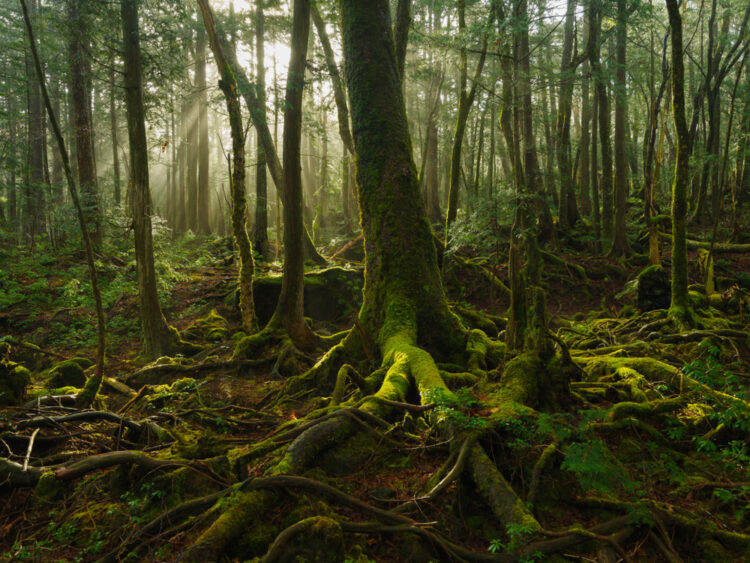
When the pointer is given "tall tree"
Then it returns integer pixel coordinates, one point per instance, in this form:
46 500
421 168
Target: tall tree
603 125
289 312
260 227
81 98
204 191
113 133
680 303
86 397
34 192
228 85
404 303
159 338
465 101
568 213
620 246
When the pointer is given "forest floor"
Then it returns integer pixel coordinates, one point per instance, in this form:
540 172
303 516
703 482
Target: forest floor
656 434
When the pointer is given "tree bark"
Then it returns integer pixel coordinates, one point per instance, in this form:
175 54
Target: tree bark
34 192
680 303
260 226
159 338
228 85
289 313
404 303
113 132
81 96
204 192
465 101
568 213
620 246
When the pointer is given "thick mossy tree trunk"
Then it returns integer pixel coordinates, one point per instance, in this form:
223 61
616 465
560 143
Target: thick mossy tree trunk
158 337
228 85
404 301
680 303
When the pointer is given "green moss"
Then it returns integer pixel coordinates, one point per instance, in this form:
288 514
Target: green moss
14 378
520 379
698 300
48 487
239 512
68 372
213 327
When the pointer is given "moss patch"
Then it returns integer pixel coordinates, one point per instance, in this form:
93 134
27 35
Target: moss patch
14 378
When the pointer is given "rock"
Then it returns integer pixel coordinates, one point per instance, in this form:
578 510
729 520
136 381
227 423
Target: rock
213 328
380 493
68 373
653 289
14 378
330 294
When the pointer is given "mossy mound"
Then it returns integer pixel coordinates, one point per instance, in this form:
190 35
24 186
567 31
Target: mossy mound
330 294
213 328
14 378
68 373
653 289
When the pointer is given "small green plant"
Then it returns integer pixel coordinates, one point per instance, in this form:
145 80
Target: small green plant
496 546
590 461
62 533
457 409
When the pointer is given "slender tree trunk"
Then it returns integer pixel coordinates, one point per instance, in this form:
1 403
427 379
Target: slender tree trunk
568 213
595 174
158 337
680 303
86 397
289 313
34 193
113 132
603 126
204 193
620 246
182 157
549 172
83 127
465 101
12 201
584 174
192 146
260 226
228 85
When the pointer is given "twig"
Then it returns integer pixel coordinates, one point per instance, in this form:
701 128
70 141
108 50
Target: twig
28 450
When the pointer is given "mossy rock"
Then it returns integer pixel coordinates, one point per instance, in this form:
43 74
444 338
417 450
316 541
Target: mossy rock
330 294
68 373
14 378
213 328
698 300
653 289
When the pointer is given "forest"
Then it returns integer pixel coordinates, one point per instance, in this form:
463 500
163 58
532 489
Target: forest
375 280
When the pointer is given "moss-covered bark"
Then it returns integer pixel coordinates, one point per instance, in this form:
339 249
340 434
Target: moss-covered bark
680 304
159 338
401 271
228 85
